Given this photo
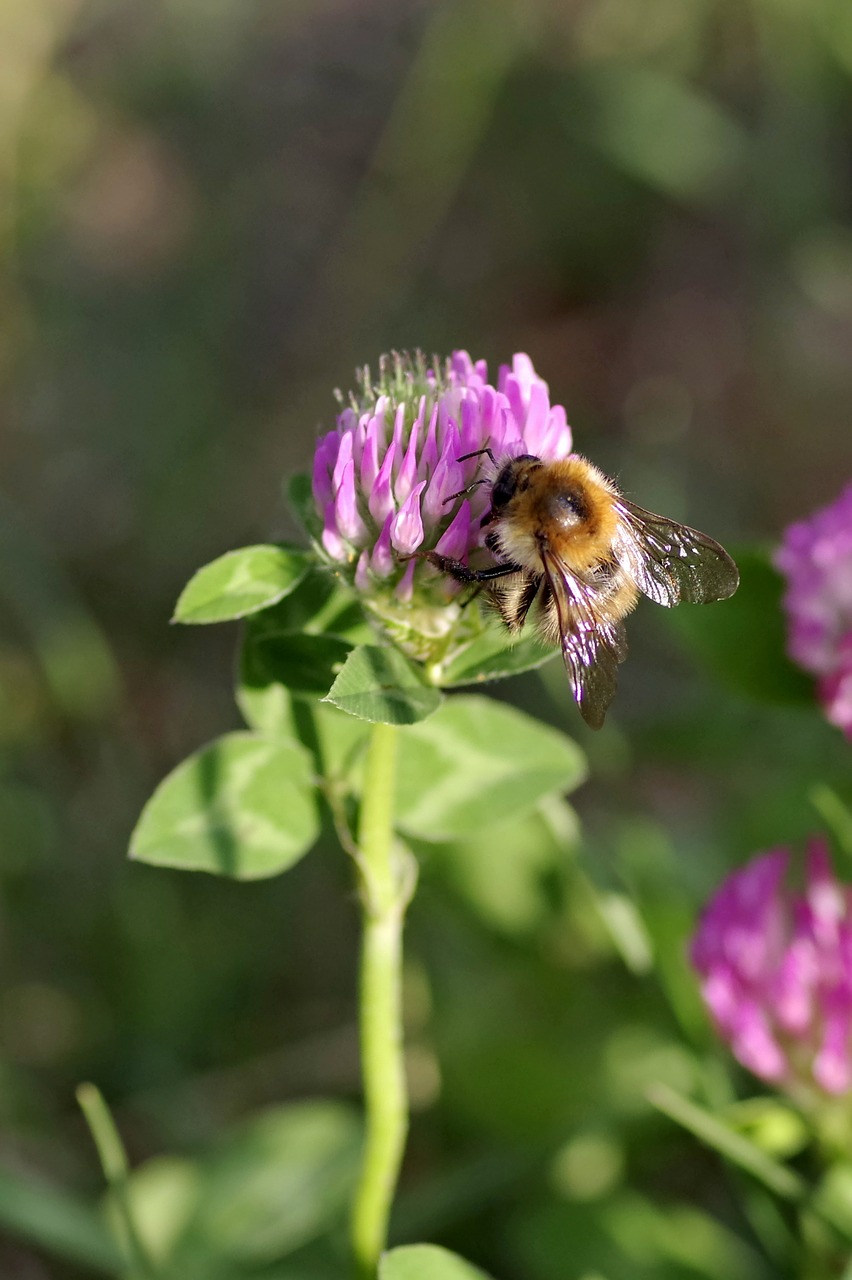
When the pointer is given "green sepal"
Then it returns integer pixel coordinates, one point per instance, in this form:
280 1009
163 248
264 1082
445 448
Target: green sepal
244 806
380 685
492 657
240 583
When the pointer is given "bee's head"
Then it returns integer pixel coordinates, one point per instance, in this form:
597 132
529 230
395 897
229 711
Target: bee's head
513 477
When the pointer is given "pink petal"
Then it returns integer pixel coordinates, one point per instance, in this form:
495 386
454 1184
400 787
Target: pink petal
406 531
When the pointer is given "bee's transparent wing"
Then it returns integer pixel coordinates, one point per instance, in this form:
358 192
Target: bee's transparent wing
669 562
591 647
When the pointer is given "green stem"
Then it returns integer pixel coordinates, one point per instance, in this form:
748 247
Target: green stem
114 1164
385 897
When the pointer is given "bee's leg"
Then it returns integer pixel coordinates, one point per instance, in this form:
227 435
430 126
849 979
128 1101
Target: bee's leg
462 573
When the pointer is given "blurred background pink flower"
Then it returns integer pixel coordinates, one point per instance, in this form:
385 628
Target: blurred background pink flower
775 963
816 559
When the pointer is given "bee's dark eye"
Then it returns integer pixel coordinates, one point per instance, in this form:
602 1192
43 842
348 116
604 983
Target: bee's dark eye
504 487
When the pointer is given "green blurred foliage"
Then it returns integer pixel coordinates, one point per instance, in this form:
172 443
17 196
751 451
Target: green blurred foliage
209 214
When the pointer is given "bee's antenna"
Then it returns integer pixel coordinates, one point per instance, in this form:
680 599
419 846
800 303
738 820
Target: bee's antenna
462 493
477 453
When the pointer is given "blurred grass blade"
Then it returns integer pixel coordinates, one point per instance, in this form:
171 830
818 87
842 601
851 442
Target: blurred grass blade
835 814
113 1160
430 139
733 1146
627 930
659 129
56 1222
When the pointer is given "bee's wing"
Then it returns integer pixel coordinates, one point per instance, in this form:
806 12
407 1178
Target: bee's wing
669 562
591 647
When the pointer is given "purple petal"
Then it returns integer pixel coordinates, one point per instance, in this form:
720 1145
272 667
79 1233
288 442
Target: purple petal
331 539
405 587
408 471
362 572
792 991
346 513
722 995
556 442
398 428
429 452
407 527
358 433
347 420
344 457
493 409
512 391
538 411
325 456
381 501
455 540
447 479
382 560
370 458
462 366
471 435
824 895
835 694
756 1047
832 1068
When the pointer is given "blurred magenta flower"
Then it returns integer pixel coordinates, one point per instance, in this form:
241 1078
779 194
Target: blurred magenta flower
776 971
384 477
816 559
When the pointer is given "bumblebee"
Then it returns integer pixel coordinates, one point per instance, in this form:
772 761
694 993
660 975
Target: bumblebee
574 555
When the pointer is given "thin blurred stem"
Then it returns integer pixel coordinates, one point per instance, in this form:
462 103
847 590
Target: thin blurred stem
385 896
114 1164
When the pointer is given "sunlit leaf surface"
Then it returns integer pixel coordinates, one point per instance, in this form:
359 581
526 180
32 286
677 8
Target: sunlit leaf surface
243 807
241 582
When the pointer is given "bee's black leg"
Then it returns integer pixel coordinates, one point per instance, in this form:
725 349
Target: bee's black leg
462 573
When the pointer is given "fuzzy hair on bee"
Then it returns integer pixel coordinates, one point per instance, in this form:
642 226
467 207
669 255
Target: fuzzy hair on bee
573 555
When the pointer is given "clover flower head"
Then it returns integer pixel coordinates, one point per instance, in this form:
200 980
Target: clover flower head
816 560
776 972
393 479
